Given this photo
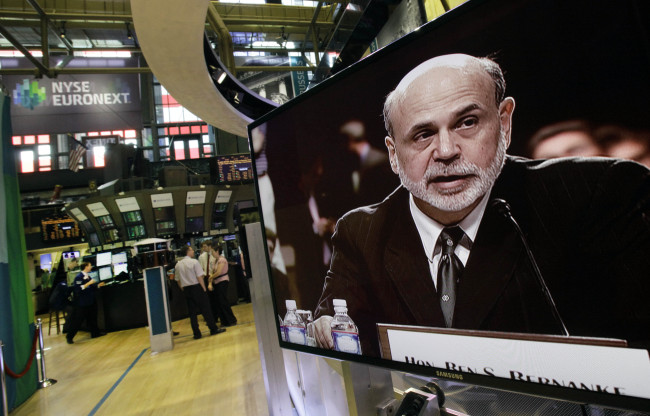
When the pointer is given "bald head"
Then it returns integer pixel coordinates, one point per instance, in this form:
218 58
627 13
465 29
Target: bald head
465 64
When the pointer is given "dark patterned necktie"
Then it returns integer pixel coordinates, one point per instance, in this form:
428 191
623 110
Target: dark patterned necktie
449 271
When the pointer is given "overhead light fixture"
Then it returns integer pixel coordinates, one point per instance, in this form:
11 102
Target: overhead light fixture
62 33
218 74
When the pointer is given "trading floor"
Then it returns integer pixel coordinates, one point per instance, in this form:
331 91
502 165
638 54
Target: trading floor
118 375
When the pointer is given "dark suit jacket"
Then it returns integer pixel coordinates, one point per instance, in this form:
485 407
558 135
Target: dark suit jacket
587 222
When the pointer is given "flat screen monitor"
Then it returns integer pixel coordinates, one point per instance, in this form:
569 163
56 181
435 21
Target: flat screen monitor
381 258
194 210
94 274
120 268
70 254
234 168
104 259
105 221
229 237
194 225
117 258
165 227
132 217
93 240
163 213
105 273
136 232
220 207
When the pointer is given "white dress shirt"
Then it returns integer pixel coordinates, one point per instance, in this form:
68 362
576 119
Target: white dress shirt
429 230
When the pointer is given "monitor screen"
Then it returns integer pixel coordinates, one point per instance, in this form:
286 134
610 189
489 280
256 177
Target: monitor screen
144 248
105 273
120 268
163 213
94 274
104 259
119 258
161 246
70 254
136 232
229 237
220 207
132 217
194 210
165 227
105 221
234 168
384 262
194 225
93 240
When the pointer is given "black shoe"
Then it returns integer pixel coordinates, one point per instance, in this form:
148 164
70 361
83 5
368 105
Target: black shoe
174 333
69 341
232 324
218 331
97 335
198 336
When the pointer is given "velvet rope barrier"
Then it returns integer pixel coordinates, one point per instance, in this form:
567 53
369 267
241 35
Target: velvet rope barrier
29 362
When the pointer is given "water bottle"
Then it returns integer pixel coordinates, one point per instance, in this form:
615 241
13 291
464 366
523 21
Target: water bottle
345 333
308 320
294 327
283 334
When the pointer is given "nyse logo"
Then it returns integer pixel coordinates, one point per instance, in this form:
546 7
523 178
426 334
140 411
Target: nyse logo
29 94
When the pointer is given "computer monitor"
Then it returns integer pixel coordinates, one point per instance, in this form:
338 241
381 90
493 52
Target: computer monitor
118 258
94 274
194 210
105 273
104 259
194 225
119 268
163 213
70 254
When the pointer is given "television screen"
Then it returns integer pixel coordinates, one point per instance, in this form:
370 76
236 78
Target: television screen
103 259
163 213
70 254
93 240
194 210
132 217
194 225
165 227
361 204
234 168
105 273
120 268
105 221
119 258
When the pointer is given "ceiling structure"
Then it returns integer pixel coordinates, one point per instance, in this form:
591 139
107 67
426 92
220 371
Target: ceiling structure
253 43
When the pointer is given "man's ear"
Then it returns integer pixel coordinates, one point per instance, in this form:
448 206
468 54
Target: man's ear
506 108
390 145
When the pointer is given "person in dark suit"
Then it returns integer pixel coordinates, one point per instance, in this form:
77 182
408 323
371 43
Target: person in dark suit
84 305
404 260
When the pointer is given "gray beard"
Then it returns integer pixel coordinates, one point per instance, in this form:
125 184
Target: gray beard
456 200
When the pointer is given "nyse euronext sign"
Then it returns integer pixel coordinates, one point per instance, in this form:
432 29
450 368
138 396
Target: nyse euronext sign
29 94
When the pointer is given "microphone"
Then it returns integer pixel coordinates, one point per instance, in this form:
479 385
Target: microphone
503 208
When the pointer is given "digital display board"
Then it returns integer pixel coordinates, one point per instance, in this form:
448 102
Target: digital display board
59 229
235 168
132 217
194 210
163 213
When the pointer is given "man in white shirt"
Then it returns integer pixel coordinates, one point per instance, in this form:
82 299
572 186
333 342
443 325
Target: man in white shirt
189 275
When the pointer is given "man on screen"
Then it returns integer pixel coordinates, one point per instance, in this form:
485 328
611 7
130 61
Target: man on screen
439 252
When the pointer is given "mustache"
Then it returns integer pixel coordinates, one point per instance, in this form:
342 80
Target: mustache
456 168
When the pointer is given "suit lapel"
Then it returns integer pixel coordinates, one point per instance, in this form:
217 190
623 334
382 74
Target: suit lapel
407 266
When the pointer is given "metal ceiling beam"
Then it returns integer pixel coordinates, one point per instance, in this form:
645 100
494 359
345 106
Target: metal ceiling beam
225 40
67 16
57 71
275 68
42 69
45 23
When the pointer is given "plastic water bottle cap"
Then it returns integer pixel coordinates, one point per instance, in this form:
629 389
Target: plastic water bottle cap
290 304
340 302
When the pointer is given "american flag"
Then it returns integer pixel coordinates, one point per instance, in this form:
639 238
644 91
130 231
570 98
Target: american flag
76 154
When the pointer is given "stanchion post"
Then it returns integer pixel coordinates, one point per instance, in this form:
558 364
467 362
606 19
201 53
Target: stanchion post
44 382
3 380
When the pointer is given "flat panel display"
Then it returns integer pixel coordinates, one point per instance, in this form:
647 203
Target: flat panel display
117 258
70 254
94 274
59 229
360 201
132 217
105 273
163 213
135 232
194 210
103 259
193 225
165 227
105 222
120 268
234 168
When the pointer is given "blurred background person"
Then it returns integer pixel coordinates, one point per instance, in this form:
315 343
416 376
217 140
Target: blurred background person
84 304
622 143
218 282
567 138
372 178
